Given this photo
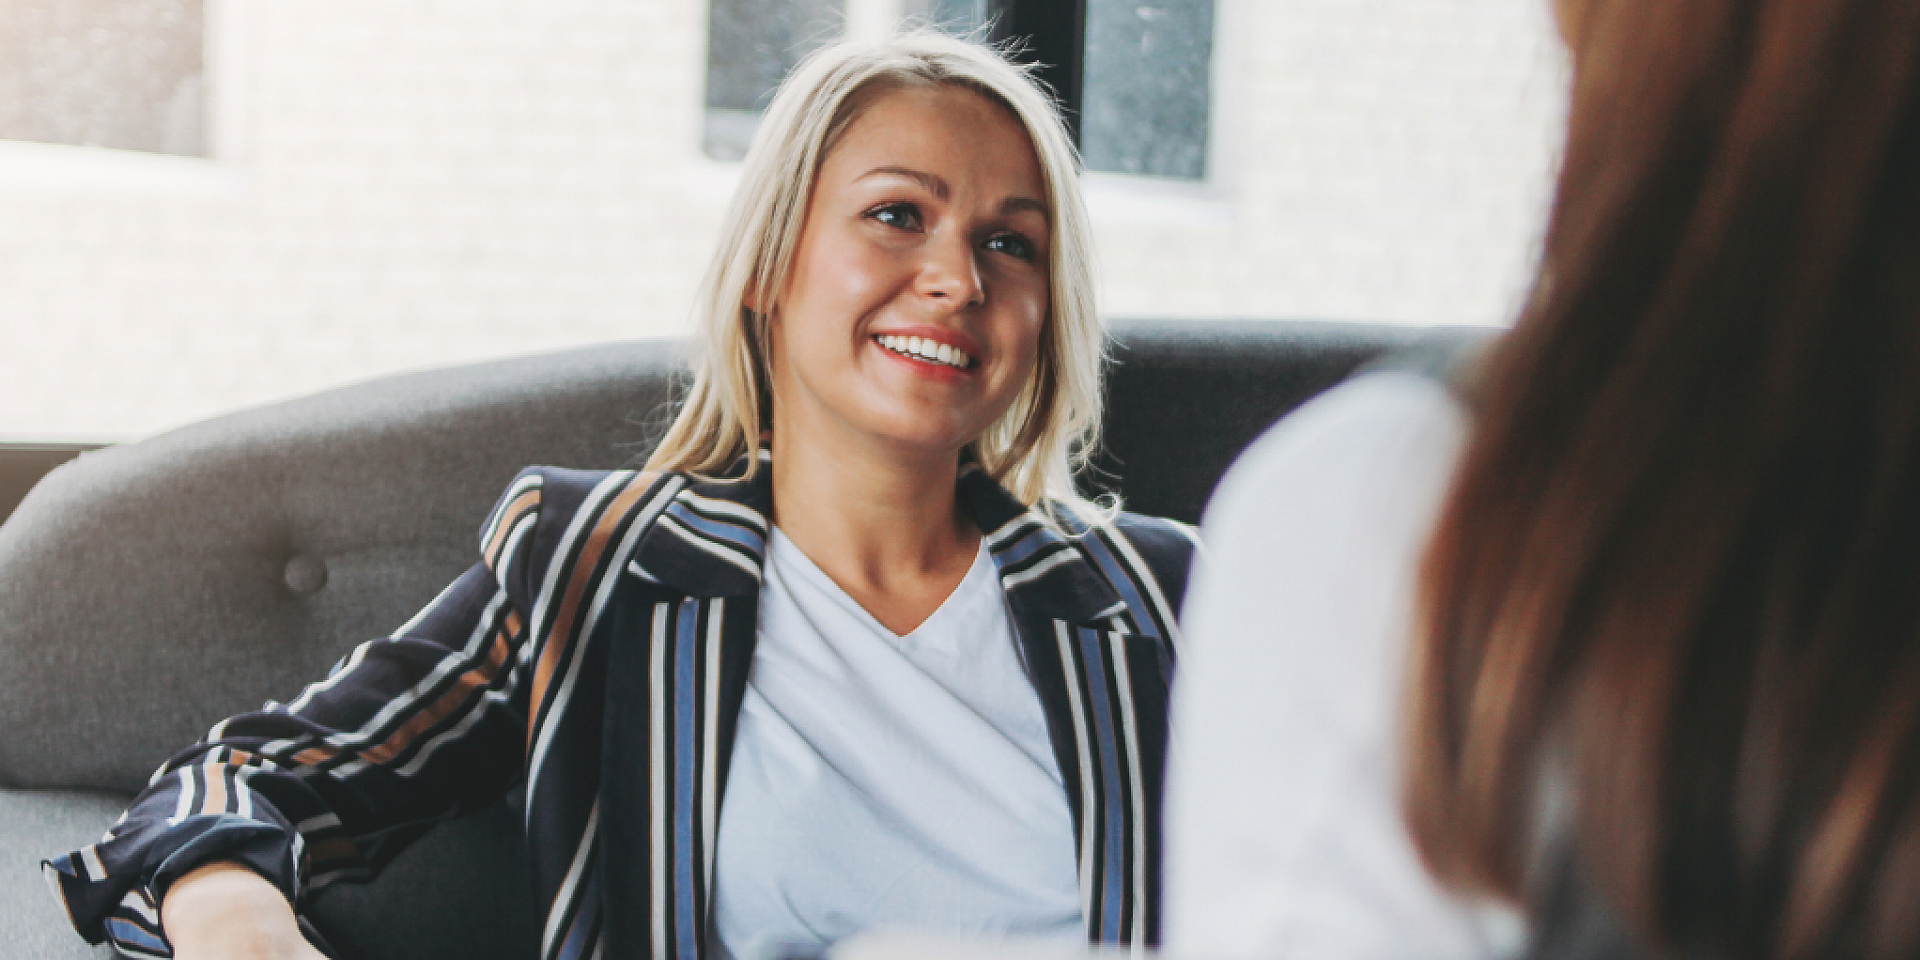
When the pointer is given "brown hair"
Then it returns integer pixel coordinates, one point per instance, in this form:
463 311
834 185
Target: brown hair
1679 571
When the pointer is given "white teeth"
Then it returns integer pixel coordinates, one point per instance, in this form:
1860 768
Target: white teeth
920 348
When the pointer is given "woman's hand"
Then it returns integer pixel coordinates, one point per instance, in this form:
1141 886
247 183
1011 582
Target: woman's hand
223 911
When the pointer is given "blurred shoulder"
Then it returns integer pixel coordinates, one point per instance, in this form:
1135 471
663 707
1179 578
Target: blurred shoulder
1157 538
1165 547
1366 438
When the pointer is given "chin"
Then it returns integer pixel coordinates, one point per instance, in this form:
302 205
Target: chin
919 446
916 440
916 423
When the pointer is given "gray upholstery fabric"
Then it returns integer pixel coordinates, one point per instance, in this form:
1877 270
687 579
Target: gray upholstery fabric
150 589
23 464
35 824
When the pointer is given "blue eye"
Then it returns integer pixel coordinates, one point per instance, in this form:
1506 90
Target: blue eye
1011 244
900 216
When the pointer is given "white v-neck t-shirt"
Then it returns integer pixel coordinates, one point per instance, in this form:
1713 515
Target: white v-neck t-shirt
888 782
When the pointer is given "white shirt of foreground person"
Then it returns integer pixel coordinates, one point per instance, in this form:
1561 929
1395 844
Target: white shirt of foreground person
882 782
1284 833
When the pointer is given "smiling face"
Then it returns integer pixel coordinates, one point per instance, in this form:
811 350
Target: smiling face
912 313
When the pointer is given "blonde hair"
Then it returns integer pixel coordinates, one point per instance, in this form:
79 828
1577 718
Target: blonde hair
1044 437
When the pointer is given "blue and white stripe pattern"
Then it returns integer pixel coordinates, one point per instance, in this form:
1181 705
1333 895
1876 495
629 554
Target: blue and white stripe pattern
612 615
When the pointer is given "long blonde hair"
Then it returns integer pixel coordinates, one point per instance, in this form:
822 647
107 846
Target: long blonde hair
1035 447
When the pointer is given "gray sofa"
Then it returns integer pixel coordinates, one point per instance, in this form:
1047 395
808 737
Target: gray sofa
149 589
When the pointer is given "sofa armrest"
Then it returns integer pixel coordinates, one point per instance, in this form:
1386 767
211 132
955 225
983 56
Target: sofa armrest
459 892
35 825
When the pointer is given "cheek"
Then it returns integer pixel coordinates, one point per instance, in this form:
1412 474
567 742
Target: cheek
832 281
1029 318
1019 344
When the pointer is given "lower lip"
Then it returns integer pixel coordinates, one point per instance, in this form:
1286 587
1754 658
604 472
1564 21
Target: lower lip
926 368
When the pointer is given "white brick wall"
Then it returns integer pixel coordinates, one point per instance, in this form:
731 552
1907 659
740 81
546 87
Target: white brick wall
403 183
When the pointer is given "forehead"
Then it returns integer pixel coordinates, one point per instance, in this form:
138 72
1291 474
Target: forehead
947 130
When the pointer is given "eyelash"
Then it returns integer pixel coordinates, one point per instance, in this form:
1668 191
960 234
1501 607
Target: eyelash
881 214
1026 251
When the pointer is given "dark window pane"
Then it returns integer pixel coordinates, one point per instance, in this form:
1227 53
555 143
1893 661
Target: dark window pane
751 45
102 73
1147 90
955 16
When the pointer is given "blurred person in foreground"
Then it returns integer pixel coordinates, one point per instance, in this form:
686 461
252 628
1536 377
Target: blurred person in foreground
844 656
1643 608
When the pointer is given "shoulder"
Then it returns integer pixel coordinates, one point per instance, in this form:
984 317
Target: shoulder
563 489
1286 711
1370 440
544 509
1146 559
1373 410
1165 547
1335 494
560 493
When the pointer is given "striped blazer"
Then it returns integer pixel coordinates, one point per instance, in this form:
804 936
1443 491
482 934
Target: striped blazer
599 653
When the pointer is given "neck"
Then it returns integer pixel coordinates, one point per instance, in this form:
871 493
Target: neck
874 518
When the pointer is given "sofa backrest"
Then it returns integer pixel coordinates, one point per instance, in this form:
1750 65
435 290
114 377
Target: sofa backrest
149 589
153 587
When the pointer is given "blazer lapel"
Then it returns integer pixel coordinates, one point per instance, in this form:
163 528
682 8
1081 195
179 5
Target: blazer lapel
711 539
679 655
1102 683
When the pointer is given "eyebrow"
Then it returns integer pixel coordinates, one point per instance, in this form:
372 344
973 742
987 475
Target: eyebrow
939 187
934 184
1013 205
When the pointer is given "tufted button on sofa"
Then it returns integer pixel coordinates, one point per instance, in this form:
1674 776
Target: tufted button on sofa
149 589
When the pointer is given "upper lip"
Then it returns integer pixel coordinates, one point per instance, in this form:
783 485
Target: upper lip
956 339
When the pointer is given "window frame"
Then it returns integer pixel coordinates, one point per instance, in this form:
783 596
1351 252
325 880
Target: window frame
1053 35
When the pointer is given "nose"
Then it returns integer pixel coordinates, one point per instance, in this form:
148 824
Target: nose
950 273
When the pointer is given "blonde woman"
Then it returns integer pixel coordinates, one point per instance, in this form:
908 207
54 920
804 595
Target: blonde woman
850 653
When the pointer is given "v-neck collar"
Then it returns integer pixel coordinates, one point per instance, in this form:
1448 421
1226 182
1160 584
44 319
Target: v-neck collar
821 579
